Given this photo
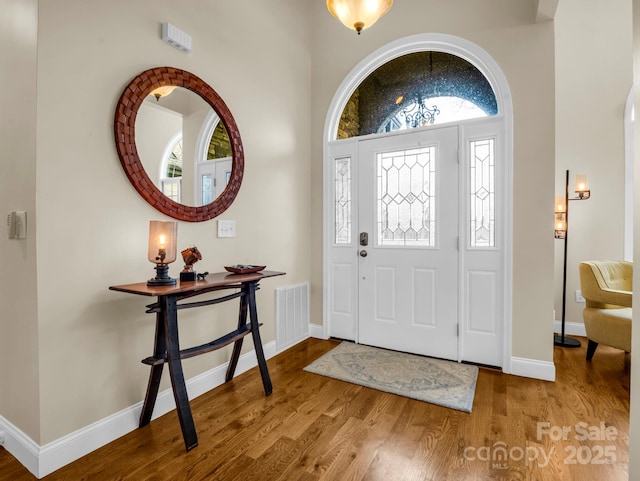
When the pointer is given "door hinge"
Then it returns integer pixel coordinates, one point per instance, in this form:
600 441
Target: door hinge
458 243
458 155
458 329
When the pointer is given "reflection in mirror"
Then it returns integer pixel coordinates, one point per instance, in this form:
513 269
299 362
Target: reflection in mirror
209 201
183 146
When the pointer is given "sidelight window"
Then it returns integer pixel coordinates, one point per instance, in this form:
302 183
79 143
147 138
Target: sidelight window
482 193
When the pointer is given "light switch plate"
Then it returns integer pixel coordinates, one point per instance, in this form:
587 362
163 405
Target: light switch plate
226 228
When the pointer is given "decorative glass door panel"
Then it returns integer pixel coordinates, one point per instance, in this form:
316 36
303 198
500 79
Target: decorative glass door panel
342 200
406 200
482 188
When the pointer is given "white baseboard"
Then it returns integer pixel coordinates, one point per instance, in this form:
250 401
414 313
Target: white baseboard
291 344
43 460
533 368
317 331
545 371
571 328
21 446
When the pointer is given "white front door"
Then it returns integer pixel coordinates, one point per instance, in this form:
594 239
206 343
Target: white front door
408 222
435 278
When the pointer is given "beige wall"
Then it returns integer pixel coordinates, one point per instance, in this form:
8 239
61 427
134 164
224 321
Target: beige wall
92 225
19 392
156 128
524 51
593 78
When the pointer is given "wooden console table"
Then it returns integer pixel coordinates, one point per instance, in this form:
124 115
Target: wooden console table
166 343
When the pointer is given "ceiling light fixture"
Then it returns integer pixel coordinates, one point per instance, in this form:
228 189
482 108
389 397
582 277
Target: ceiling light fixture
358 14
162 91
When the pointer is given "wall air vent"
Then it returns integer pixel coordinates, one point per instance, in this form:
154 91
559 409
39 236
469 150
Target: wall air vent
176 37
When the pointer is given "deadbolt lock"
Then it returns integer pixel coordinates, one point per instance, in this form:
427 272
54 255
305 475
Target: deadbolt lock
364 239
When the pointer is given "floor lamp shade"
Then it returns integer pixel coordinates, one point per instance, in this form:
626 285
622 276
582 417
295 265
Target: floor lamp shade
582 186
560 224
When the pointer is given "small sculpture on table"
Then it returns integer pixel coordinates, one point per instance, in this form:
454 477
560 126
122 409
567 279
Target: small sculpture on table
190 255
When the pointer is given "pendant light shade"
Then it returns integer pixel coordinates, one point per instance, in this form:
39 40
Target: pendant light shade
358 14
163 91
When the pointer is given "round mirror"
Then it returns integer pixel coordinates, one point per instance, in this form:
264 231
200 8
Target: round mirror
182 152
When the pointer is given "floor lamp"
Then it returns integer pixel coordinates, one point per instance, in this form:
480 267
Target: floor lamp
562 232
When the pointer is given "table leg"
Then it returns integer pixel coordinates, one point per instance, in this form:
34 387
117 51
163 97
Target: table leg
237 346
257 342
170 314
159 349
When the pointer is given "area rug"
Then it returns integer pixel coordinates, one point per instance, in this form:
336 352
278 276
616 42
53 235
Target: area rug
445 383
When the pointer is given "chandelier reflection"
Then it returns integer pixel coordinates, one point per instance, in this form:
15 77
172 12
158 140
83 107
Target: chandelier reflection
418 114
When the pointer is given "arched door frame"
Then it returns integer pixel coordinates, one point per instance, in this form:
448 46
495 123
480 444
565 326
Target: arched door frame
478 57
164 164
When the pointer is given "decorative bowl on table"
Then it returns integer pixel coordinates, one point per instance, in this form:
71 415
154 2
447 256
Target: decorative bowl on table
244 268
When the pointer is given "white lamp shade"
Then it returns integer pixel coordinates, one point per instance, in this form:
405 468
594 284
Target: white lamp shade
581 183
560 204
162 91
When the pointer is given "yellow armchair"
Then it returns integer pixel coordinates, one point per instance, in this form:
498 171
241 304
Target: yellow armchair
606 287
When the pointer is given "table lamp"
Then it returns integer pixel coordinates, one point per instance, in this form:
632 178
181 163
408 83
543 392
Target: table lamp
163 237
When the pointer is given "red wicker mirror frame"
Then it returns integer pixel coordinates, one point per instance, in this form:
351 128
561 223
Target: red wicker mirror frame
124 129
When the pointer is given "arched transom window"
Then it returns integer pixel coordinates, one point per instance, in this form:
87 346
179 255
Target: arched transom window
417 90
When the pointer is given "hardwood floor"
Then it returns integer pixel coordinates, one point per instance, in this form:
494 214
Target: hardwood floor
314 428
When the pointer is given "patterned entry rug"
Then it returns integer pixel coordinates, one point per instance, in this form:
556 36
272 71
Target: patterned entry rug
436 381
